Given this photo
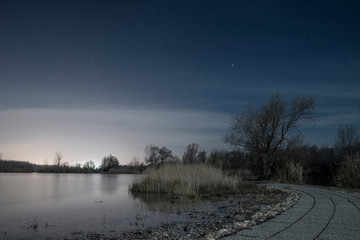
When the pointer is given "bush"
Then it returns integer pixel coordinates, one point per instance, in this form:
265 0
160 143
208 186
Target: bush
189 179
348 174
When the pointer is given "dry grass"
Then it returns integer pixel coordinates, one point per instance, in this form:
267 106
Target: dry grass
190 180
348 175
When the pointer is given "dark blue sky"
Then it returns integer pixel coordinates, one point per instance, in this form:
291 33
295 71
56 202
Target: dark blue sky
170 65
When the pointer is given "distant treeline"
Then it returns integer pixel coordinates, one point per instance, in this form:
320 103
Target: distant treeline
17 166
26 167
294 163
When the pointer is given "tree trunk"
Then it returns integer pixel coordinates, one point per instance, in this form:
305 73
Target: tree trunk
266 172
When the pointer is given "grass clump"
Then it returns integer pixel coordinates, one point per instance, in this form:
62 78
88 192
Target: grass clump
186 179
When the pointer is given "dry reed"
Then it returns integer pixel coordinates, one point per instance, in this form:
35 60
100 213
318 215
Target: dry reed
191 180
348 174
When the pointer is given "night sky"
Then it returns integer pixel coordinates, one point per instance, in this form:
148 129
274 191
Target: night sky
90 78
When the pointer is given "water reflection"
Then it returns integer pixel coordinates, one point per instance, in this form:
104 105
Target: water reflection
166 202
57 205
109 184
56 187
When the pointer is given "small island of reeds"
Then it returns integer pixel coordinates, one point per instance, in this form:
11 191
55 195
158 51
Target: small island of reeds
187 179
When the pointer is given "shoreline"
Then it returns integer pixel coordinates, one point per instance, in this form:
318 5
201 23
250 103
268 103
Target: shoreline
234 213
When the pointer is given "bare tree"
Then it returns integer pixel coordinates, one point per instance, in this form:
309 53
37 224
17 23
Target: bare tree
346 140
155 155
190 154
58 157
1 156
78 165
264 129
89 165
136 166
134 162
152 154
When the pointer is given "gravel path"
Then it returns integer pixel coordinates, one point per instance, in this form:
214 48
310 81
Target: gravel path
319 214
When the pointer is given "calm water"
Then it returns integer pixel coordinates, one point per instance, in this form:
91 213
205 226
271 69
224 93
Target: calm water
53 206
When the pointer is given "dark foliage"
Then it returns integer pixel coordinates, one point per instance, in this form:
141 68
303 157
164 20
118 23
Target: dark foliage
17 166
108 163
156 156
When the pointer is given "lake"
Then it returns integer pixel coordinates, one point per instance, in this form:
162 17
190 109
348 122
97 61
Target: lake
52 206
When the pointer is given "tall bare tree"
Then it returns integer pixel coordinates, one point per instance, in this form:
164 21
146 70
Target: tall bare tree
58 157
264 129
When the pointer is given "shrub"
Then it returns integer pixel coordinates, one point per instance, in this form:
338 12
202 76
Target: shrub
348 174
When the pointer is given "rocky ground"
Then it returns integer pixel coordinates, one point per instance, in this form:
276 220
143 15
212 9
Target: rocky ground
234 213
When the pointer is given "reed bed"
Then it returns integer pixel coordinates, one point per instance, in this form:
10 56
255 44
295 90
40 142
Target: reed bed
190 180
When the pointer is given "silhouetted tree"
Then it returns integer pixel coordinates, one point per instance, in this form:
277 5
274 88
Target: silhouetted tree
190 154
216 158
165 155
78 165
152 154
135 165
58 157
347 140
201 157
108 163
89 166
264 129
155 155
